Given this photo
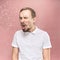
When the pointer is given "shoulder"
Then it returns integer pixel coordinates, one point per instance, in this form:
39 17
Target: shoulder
42 31
18 32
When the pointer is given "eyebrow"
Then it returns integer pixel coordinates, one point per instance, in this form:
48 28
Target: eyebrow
23 17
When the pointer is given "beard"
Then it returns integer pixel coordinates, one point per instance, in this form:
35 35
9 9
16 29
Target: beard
24 27
26 30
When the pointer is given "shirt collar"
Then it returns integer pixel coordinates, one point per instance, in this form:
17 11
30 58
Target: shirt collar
35 30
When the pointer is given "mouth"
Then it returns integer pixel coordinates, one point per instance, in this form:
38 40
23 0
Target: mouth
23 26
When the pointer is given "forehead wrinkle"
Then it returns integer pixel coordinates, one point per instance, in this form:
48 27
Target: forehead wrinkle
25 13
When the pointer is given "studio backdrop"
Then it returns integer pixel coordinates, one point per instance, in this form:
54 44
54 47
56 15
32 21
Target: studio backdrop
48 19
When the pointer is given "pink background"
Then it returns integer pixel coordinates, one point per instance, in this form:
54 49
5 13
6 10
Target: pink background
48 19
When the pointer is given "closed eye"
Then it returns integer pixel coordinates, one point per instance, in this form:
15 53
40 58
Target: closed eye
25 17
20 17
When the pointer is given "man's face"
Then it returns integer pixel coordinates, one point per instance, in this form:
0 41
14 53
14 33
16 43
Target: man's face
26 20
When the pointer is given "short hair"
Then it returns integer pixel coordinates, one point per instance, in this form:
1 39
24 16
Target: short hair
33 14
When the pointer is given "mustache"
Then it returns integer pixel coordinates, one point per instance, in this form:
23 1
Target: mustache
23 24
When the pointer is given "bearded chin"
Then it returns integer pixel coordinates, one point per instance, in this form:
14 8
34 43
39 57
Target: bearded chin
26 30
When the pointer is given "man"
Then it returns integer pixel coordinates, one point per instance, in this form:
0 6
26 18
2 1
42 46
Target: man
30 43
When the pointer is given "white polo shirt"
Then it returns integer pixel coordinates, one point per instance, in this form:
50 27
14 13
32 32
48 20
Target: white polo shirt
31 44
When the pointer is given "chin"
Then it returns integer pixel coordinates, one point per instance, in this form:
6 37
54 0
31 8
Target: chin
26 30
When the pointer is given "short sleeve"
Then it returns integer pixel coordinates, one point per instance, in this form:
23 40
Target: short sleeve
14 41
46 41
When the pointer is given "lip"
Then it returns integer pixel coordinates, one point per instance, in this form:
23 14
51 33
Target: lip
22 24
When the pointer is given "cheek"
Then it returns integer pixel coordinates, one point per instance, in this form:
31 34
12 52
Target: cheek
28 22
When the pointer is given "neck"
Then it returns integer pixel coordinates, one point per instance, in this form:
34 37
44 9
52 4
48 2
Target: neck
32 28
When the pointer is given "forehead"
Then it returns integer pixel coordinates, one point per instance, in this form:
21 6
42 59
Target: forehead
25 13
